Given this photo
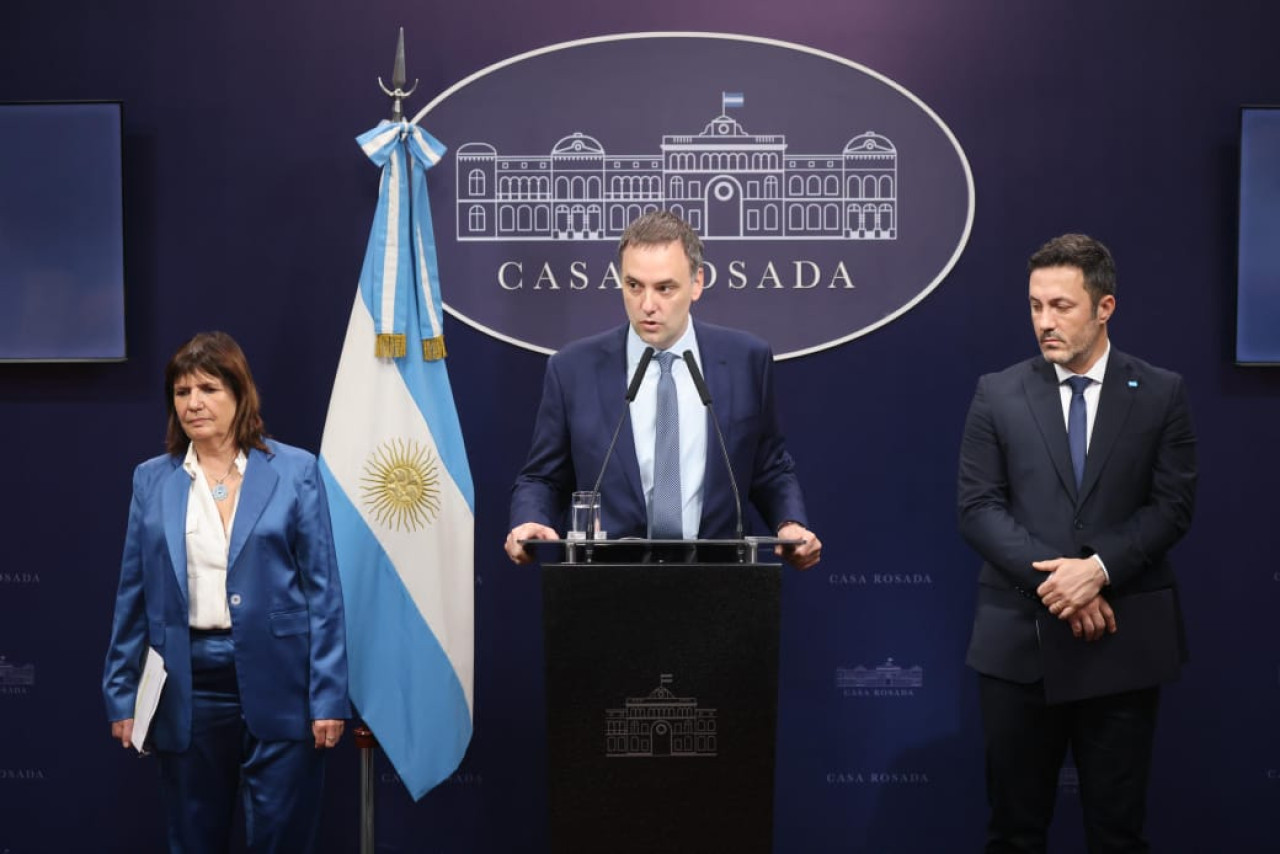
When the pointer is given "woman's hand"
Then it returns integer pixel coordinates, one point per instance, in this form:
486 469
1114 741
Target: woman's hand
327 732
122 731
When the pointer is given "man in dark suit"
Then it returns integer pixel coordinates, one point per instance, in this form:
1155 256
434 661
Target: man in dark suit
583 398
1077 475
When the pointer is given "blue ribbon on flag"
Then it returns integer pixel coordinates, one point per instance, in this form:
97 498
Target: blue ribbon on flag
400 265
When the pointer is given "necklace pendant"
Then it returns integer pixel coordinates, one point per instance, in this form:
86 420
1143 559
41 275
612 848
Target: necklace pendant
220 493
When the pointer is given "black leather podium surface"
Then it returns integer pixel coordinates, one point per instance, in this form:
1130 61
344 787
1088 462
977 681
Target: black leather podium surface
661 683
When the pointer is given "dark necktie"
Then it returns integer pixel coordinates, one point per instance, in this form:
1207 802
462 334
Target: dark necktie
668 508
1078 425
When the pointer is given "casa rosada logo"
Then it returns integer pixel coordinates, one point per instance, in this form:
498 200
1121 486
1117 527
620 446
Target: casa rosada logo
831 200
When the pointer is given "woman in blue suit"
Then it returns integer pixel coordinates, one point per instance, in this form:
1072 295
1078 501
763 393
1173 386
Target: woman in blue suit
229 575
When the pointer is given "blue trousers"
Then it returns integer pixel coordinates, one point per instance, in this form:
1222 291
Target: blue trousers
281 781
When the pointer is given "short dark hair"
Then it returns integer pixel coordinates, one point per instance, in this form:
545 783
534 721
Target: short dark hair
658 228
218 355
1090 256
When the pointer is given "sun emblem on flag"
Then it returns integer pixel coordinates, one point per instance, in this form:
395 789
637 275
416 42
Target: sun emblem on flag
401 485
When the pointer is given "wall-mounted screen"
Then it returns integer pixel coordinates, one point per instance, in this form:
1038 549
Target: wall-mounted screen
61 232
1258 277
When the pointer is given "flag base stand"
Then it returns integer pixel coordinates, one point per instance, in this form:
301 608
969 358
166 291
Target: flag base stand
366 742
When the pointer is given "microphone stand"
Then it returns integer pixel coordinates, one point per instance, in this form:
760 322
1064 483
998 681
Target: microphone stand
632 390
703 392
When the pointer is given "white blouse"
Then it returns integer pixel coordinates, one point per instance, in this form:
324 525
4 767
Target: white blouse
207 548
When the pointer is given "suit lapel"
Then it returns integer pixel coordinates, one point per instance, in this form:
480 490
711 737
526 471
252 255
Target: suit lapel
1114 402
1045 400
175 493
611 389
259 482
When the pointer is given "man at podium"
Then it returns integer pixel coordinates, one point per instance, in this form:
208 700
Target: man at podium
665 477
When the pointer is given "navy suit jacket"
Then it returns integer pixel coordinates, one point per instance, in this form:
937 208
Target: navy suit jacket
283 591
1018 501
583 396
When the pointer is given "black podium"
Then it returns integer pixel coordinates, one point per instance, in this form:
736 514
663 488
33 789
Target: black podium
661 685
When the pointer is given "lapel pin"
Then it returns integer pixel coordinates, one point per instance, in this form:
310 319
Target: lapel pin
1133 383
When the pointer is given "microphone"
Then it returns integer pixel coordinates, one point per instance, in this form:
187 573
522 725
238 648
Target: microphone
703 392
645 358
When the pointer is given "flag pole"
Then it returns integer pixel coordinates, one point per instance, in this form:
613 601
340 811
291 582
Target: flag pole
406 556
364 737
397 92
366 742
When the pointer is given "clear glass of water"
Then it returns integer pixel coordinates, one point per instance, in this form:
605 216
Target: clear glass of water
584 517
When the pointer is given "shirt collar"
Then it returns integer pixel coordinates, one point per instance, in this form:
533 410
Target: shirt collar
636 345
191 463
1096 373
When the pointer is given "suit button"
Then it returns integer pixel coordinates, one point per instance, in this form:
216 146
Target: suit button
235 598
1079 525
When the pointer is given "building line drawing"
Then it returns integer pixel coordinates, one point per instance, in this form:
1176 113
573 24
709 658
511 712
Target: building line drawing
726 182
887 675
660 724
11 675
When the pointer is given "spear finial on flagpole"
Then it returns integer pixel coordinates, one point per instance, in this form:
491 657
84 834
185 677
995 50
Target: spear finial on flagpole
397 92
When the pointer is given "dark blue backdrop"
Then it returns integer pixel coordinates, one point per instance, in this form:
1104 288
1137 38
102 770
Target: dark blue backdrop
247 208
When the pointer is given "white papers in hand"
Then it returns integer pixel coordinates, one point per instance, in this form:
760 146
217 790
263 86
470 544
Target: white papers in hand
144 708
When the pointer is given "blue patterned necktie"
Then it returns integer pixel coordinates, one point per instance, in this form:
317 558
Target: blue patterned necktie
667 511
1078 425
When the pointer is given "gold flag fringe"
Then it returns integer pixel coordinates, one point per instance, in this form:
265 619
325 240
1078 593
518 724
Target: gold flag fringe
390 345
433 348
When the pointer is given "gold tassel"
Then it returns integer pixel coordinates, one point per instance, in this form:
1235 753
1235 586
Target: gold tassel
391 345
433 348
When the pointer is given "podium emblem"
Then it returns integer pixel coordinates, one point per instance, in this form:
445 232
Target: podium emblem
660 725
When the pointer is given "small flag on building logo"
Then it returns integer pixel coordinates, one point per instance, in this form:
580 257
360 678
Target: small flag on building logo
732 99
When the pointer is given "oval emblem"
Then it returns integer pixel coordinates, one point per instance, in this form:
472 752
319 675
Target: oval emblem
830 199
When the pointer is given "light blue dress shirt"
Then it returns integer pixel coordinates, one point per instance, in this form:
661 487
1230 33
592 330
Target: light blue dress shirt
693 425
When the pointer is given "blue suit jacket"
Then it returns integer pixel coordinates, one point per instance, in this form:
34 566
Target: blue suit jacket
1018 501
283 592
582 399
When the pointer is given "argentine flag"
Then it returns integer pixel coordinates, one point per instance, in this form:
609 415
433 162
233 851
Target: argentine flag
399 485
